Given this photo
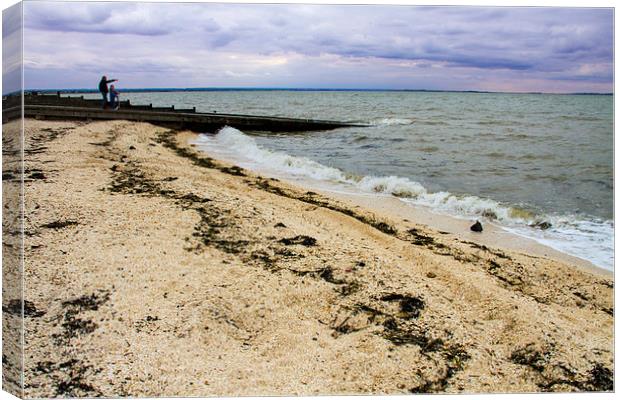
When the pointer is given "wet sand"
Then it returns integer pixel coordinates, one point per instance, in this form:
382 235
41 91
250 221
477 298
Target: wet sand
154 270
492 235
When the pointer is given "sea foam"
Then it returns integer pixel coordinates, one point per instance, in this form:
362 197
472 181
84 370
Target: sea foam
392 121
404 188
589 239
245 146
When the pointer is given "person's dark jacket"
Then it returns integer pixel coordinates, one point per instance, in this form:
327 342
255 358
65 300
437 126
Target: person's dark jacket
103 85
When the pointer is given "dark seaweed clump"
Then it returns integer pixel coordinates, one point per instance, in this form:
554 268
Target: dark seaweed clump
72 323
87 302
234 170
485 248
531 357
15 307
60 224
209 231
133 181
326 273
599 379
410 306
68 377
299 239
402 330
37 175
402 335
421 239
455 357
311 198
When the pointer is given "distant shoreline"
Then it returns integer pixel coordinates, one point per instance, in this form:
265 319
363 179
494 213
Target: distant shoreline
268 89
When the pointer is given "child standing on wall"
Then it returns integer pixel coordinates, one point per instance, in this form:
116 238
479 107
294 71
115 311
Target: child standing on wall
114 103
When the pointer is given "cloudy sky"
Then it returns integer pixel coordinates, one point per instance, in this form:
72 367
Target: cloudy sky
70 45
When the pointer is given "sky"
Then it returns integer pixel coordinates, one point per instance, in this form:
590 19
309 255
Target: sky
541 49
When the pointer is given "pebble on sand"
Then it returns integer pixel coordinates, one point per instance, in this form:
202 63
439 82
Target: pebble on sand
477 227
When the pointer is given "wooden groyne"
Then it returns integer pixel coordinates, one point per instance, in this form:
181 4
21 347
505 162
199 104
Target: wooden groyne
61 107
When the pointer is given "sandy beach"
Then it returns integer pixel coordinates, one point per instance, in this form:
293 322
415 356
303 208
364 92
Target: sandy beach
154 270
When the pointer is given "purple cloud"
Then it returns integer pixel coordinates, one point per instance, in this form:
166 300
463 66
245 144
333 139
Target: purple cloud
210 44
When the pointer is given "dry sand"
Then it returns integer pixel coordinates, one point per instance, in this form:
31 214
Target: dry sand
152 270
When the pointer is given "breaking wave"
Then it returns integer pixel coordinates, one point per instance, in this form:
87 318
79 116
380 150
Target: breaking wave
232 138
392 121
404 188
570 234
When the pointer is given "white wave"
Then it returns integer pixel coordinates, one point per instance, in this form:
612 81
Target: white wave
587 239
404 188
592 240
232 138
397 186
414 193
392 121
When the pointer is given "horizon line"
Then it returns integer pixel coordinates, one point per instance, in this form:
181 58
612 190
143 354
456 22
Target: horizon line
300 89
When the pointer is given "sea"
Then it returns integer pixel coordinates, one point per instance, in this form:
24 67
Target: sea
536 165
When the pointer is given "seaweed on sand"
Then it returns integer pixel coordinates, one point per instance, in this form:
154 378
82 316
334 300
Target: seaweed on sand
420 239
73 324
487 249
14 307
455 358
167 139
69 378
59 224
234 170
88 302
531 357
410 306
400 335
345 287
312 198
212 222
133 181
598 378
299 239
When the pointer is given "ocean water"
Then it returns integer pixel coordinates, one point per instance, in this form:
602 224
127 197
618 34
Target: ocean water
521 161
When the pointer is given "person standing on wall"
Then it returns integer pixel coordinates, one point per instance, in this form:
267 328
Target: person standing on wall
103 88
114 104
